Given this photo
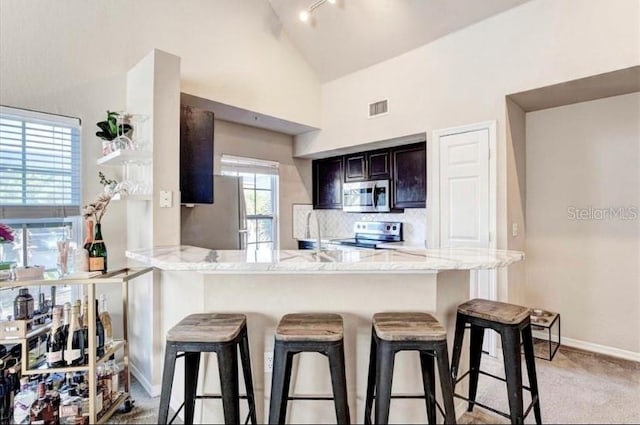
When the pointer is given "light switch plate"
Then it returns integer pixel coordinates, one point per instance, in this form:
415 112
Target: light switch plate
166 199
515 231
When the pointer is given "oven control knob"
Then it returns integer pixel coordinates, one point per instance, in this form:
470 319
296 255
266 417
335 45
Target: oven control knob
395 228
388 227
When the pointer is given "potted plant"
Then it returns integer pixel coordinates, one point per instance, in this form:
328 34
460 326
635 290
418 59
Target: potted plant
114 132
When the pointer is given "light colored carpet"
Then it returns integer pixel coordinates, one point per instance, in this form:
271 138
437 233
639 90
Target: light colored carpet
577 387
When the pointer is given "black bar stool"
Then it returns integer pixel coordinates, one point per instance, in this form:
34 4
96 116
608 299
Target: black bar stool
394 332
314 332
511 322
211 333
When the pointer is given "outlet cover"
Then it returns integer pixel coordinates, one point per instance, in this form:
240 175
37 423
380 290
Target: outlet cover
166 199
268 362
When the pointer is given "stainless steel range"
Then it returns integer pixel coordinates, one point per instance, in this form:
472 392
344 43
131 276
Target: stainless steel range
370 234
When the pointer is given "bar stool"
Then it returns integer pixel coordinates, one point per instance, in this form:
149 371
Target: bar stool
511 322
394 332
314 332
211 333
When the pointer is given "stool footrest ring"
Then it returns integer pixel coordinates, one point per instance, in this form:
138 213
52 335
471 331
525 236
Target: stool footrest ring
498 412
211 397
216 397
309 397
481 372
415 397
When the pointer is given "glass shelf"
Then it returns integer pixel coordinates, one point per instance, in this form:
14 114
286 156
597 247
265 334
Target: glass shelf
134 197
124 156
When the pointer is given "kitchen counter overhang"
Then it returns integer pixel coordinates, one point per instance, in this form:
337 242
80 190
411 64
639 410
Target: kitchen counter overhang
191 258
265 285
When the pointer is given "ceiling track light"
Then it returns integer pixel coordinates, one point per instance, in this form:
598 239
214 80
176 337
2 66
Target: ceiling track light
306 14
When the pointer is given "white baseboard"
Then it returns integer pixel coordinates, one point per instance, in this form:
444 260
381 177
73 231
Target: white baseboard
601 349
152 390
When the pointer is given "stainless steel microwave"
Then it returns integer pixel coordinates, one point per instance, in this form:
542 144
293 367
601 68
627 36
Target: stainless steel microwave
369 196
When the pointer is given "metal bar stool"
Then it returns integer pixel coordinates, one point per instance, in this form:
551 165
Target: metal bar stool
511 322
394 332
314 332
211 333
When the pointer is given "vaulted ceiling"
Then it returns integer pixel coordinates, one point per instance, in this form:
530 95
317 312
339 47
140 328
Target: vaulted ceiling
353 34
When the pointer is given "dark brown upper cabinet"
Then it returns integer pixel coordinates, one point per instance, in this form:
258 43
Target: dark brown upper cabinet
379 164
410 176
327 183
355 167
372 165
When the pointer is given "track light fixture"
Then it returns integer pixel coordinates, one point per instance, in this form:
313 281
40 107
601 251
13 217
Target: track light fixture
305 15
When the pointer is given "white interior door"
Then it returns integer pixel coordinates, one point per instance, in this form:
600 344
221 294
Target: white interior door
465 203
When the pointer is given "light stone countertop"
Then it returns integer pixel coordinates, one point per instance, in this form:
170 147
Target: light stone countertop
191 258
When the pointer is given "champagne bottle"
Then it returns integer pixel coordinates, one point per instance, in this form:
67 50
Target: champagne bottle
98 253
99 334
84 322
84 317
66 318
55 341
74 351
105 318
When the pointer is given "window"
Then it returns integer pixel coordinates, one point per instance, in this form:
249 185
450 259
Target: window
39 183
260 187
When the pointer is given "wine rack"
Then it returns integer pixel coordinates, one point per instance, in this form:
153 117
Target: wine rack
17 332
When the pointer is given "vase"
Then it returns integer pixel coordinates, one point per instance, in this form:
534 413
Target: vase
106 147
5 266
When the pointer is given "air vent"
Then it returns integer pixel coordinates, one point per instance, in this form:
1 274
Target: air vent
378 108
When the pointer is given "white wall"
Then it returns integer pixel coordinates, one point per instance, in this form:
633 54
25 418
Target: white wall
71 57
516 196
463 78
232 51
294 174
585 155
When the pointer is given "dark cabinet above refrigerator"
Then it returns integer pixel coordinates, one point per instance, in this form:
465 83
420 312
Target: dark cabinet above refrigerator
196 155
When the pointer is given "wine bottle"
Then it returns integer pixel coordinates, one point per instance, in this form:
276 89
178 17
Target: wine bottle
74 351
55 341
84 322
98 253
66 319
105 318
84 317
99 334
42 410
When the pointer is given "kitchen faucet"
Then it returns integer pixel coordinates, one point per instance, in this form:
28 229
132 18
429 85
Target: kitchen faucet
307 230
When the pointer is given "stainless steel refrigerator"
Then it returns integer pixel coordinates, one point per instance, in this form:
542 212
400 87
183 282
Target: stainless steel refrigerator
221 225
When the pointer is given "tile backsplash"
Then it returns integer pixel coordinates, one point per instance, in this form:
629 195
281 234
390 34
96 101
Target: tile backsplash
339 224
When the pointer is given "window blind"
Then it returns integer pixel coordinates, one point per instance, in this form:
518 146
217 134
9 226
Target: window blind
39 164
248 165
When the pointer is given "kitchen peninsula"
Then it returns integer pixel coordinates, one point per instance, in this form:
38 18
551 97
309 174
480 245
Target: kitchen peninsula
265 285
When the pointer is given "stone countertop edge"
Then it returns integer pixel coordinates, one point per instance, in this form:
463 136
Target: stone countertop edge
189 258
